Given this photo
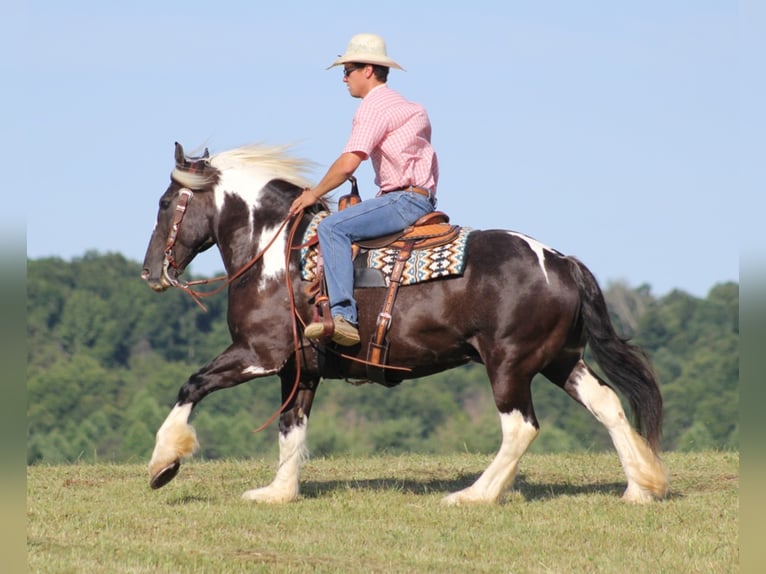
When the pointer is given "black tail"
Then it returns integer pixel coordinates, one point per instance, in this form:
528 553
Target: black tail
626 366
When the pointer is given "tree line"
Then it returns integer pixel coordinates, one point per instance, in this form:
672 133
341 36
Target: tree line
106 357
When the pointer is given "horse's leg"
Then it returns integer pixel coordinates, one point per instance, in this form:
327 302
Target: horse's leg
519 427
647 476
293 452
176 438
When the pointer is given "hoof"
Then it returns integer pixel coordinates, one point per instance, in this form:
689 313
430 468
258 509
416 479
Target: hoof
269 495
165 475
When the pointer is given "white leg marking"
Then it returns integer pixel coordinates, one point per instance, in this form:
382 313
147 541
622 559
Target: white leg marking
647 476
258 371
518 434
175 439
292 454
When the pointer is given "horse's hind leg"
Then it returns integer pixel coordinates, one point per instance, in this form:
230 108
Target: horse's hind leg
293 451
647 477
519 428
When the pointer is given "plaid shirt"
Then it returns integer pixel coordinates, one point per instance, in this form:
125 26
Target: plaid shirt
396 135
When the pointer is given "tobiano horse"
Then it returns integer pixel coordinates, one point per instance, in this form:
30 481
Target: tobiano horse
519 308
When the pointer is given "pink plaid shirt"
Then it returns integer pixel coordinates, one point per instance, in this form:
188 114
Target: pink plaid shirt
396 135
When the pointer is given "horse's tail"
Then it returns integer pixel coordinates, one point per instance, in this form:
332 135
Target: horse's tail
626 366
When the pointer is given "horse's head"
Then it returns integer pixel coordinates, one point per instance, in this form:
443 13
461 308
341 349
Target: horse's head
237 199
184 225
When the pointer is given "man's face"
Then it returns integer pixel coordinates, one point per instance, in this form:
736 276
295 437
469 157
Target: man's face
355 76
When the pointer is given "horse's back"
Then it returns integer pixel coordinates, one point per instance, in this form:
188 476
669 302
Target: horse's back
520 261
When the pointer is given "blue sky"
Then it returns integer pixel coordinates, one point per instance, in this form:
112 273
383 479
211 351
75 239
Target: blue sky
612 131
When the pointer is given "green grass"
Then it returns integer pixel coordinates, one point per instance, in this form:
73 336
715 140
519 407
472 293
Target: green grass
382 514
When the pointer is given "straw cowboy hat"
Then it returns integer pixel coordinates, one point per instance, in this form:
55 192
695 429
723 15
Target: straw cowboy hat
366 49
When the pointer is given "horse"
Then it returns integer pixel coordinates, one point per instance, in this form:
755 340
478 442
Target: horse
519 308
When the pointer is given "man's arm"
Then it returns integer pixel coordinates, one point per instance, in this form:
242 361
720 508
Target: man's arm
341 169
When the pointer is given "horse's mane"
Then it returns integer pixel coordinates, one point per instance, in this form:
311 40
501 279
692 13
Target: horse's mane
265 159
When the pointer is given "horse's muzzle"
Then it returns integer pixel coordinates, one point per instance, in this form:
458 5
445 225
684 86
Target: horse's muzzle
157 283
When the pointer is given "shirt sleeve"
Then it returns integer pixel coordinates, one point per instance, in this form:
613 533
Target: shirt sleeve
368 129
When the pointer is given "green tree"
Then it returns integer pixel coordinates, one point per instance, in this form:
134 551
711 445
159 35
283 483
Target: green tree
107 357
694 345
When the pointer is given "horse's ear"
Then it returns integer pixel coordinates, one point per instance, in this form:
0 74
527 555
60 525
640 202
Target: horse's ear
179 154
206 155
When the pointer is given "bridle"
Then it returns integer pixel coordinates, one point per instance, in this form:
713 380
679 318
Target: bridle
169 261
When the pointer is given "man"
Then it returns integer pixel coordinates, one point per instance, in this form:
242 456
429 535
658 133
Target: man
396 135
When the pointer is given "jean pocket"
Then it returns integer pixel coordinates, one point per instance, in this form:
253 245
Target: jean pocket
412 206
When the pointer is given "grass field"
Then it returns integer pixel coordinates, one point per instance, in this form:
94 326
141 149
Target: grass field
382 514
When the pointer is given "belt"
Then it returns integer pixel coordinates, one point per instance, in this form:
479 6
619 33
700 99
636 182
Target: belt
419 190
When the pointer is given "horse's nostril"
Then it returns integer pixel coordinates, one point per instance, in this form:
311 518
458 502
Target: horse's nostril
145 274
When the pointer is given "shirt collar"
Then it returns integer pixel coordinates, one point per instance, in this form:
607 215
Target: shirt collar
375 89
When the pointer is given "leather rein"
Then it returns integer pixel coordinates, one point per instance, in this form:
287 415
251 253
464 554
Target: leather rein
169 261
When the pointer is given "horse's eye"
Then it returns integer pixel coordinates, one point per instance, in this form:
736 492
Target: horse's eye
164 203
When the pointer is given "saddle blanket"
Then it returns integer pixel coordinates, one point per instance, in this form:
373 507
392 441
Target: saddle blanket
423 265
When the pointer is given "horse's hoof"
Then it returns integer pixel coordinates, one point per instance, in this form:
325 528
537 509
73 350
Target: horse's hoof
165 475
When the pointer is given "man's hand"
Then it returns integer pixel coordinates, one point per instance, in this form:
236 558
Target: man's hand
304 200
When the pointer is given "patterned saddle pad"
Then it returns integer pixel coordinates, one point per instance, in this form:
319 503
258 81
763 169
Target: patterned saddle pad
423 265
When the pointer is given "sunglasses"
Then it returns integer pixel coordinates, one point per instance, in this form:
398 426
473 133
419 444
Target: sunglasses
347 71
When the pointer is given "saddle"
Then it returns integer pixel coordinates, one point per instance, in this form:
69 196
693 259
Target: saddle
431 230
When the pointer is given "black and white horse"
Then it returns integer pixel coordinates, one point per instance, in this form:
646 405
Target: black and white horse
519 308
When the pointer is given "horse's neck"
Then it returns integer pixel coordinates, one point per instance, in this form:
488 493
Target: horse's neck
263 253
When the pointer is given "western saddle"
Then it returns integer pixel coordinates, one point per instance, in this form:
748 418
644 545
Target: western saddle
431 230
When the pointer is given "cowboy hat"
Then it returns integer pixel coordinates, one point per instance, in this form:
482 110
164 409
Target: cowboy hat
366 49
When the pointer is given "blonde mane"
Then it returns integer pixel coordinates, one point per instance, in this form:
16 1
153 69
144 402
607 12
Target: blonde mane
271 160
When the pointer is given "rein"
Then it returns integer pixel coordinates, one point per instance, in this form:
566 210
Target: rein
185 197
293 313
170 261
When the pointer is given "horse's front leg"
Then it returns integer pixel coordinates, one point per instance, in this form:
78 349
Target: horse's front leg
293 451
519 426
176 438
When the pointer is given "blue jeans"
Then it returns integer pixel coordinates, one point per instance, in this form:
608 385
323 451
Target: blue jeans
381 215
